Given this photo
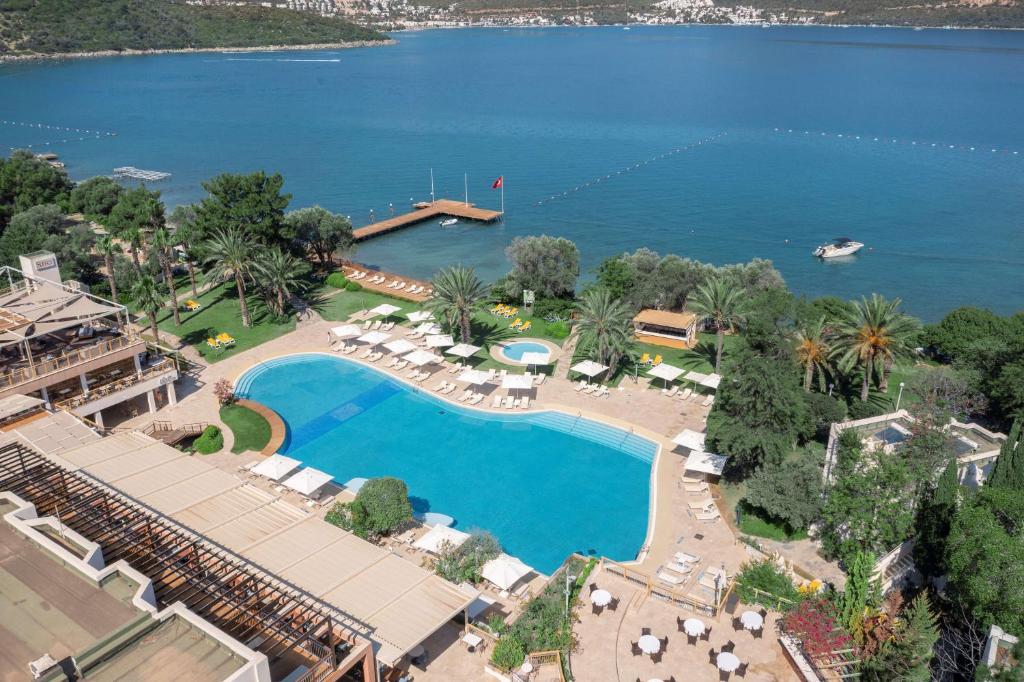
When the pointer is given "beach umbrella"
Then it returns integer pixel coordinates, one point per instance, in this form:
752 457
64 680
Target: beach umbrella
711 381
434 519
307 481
438 535
384 309
422 357
706 462
517 382
275 467
347 331
400 346
589 368
354 484
373 338
420 316
504 571
463 350
534 357
689 439
665 371
440 340
696 377
428 328
473 376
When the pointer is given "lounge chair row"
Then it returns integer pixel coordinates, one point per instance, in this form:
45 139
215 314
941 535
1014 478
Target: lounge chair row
471 397
687 394
379 324
502 310
597 390
521 326
679 569
646 359
508 402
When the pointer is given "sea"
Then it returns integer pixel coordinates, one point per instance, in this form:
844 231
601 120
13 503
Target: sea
717 143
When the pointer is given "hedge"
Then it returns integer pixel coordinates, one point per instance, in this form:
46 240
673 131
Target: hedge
337 280
212 440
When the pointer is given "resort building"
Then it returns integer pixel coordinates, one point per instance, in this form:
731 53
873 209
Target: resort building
72 350
664 328
315 600
976 448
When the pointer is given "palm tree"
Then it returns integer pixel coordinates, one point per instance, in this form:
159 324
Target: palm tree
133 236
146 296
186 235
163 245
279 272
604 326
229 253
108 248
812 350
458 292
871 334
721 303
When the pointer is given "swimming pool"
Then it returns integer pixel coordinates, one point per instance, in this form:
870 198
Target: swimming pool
545 484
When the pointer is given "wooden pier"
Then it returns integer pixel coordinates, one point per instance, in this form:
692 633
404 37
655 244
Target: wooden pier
426 211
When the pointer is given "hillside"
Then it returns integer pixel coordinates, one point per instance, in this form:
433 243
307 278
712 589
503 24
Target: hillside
60 26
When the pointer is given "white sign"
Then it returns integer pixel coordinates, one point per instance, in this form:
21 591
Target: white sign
527 297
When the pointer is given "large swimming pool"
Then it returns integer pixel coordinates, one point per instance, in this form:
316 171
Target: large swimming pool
545 484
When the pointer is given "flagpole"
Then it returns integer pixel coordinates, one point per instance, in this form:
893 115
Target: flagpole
503 195
465 181
432 185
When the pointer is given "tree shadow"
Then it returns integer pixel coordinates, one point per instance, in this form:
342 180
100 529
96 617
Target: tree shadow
487 334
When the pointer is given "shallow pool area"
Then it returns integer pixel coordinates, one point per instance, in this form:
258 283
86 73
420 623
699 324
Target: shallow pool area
544 483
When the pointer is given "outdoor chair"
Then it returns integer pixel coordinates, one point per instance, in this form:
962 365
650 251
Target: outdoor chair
712 656
645 631
664 643
729 646
592 587
656 657
613 604
596 610
758 633
737 624
679 624
763 613
723 676
707 634
637 651
742 670
691 639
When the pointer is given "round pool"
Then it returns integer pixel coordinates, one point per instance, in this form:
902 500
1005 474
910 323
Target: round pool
512 352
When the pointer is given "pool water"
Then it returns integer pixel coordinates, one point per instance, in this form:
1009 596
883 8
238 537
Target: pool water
545 484
516 349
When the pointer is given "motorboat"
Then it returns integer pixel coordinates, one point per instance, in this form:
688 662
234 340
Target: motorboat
448 222
840 246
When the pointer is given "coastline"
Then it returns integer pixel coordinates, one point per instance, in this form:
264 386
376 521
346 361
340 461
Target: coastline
190 50
757 24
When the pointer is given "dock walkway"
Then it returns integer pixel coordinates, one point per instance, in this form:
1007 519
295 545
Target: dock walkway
426 211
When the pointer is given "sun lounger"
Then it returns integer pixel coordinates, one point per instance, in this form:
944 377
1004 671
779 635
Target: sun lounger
509 402
525 326
686 394
645 359
712 515
701 504
709 401
441 386
465 396
387 326
349 350
670 392
213 343
692 481
376 325
496 402
581 385
491 373
367 324
539 379
375 356
590 388
602 392
401 285
676 567
451 389
524 402
423 376
701 487
684 558
413 373
401 365
365 354
502 374
670 578
476 399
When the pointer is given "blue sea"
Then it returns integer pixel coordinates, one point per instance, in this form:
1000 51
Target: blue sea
716 143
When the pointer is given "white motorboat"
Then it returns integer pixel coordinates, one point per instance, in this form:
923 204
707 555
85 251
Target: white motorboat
840 246
449 222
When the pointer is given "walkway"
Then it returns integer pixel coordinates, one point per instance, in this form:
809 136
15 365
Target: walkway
425 211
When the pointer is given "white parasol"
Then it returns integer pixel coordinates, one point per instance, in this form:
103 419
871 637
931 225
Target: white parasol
384 309
275 467
399 346
440 340
589 368
689 439
504 571
307 481
422 357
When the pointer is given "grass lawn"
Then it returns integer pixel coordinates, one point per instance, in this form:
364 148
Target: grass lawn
340 306
251 430
221 313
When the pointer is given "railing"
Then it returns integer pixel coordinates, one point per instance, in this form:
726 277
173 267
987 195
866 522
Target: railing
652 587
68 360
194 429
324 666
539 658
114 386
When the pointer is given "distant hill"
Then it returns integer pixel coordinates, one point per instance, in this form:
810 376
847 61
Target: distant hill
61 26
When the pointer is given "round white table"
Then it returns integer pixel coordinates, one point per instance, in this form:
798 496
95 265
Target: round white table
526 667
727 662
649 644
601 598
751 620
693 627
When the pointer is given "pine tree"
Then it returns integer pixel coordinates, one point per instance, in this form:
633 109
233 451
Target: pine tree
933 520
920 633
1009 469
858 590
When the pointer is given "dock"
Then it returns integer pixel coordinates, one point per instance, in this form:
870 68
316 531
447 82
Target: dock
426 211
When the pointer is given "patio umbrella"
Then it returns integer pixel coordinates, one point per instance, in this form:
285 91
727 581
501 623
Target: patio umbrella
428 328
463 350
696 377
706 462
373 338
432 541
534 357
420 316
505 571
347 331
665 371
711 381
689 439
473 376
440 340
589 368
422 357
354 484
275 467
307 481
384 309
517 382
400 346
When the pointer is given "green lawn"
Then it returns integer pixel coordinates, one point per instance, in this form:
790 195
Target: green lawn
251 430
752 522
221 313
340 306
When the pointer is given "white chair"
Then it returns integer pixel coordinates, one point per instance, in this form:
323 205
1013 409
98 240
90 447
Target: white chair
509 401
670 579
524 402
496 402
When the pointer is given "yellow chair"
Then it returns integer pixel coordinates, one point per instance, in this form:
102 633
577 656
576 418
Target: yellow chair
225 339
193 305
645 359
525 326
213 343
657 361
516 323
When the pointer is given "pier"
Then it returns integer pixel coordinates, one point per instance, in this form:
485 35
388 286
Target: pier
425 211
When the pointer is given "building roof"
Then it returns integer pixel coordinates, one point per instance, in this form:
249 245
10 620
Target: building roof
665 318
37 306
401 603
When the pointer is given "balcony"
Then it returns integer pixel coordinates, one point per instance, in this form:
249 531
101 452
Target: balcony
103 396
72 361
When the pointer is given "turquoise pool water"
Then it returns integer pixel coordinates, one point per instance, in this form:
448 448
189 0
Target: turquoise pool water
515 350
545 484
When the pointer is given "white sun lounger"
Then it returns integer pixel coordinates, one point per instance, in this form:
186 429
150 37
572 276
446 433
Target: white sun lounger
366 353
441 386
476 399
712 515
686 393
524 402
670 393
451 389
581 385
691 480
509 401
684 558
590 388
708 401
496 402
465 396
670 578
367 324
701 504
539 379
677 567
701 487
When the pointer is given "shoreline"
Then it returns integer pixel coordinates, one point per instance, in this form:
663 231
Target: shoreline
757 24
353 44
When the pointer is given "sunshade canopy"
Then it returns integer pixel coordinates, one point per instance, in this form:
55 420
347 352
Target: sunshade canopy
354 484
45 308
420 315
373 338
440 340
436 536
504 571
400 346
429 328
589 368
535 357
385 309
696 377
347 331
463 350
275 467
473 376
517 381
711 381
307 481
706 462
422 357
665 371
689 439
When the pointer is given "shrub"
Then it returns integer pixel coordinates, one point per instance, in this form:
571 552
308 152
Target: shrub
560 308
353 286
812 623
337 280
766 577
509 652
824 411
224 391
381 506
463 563
558 330
861 409
211 440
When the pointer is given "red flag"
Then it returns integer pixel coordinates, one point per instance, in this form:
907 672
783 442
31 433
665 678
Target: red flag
499 182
